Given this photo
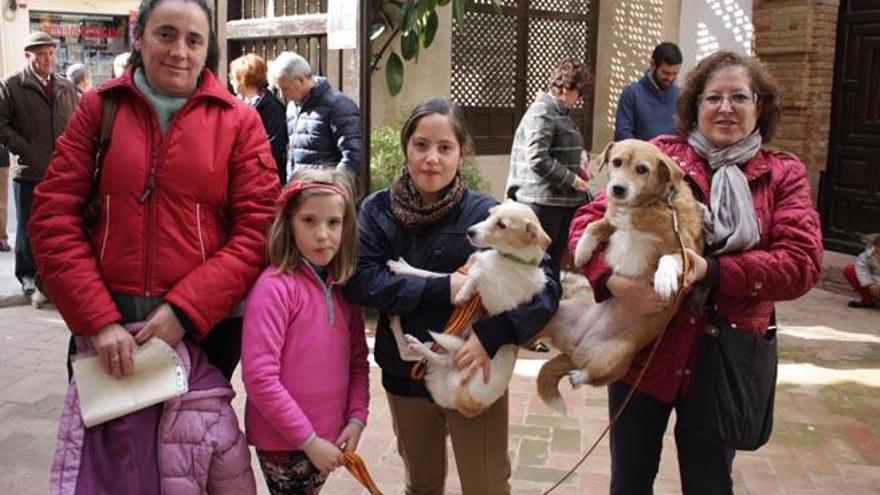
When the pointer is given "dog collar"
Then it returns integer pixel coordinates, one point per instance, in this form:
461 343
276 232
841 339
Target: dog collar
513 257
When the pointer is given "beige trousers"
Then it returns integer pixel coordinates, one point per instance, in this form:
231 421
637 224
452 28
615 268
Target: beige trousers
479 445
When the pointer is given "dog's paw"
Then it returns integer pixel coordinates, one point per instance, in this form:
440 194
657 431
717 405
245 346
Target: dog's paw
398 266
461 298
666 277
584 250
577 378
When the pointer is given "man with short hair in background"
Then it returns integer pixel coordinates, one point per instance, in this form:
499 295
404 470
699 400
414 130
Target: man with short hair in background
646 108
80 76
35 105
324 125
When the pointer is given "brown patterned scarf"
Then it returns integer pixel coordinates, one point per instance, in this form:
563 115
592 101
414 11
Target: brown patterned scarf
409 208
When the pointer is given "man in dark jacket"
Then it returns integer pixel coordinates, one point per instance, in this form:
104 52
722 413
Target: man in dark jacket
323 124
35 105
646 108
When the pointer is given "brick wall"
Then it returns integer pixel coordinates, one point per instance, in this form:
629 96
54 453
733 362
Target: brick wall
796 40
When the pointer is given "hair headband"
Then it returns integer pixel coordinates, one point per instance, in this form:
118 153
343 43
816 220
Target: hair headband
298 186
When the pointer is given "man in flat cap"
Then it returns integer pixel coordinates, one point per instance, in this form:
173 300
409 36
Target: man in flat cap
35 105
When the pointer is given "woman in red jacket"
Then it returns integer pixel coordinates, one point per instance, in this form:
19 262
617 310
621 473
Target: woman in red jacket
186 193
763 245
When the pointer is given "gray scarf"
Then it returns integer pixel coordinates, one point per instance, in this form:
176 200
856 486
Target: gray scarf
731 225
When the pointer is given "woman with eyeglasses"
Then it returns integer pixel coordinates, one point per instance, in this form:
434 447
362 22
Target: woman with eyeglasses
764 245
548 162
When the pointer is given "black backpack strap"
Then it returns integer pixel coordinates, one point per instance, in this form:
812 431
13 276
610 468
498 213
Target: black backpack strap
108 115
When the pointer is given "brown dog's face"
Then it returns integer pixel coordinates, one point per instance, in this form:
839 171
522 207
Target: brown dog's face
639 172
511 226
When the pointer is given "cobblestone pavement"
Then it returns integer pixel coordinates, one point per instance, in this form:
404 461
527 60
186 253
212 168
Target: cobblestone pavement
825 440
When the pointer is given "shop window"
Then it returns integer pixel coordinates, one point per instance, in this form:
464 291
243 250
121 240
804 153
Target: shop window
93 40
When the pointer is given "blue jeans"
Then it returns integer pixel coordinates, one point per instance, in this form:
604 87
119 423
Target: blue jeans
23 193
637 440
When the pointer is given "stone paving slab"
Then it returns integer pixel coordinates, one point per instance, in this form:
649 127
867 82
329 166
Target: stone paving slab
826 440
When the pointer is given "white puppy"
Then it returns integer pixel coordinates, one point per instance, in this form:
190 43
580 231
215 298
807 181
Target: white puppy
506 275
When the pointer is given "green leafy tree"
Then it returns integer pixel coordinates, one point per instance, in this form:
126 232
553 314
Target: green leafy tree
414 23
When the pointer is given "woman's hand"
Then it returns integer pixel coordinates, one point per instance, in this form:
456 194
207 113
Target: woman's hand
324 455
585 173
580 184
471 357
636 295
163 324
350 436
115 348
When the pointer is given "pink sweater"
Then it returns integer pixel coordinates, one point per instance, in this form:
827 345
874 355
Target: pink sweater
304 361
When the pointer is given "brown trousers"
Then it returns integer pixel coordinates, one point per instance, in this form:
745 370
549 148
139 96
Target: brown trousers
479 444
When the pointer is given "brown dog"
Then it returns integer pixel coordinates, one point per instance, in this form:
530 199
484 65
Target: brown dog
599 341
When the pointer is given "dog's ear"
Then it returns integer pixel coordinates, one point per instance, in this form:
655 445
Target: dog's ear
669 171
538 235
605 156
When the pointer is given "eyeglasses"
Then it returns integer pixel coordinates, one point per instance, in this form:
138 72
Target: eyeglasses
736 100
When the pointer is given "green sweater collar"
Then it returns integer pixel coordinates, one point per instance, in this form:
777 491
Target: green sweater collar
165 106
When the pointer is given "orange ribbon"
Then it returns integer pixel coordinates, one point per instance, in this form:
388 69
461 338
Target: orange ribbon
355 465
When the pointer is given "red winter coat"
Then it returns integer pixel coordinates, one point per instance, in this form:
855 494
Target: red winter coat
783 266
183 216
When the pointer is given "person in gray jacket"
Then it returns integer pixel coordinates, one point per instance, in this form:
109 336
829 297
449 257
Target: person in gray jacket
548 162
35 105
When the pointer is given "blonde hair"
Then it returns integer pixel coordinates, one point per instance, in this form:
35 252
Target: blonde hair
281 247
249 70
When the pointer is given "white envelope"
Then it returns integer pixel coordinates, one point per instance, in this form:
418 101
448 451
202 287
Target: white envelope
158 376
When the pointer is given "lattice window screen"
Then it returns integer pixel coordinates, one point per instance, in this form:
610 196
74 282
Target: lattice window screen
484 60
550 40
570 6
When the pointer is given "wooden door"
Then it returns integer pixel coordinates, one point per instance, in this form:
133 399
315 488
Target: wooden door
850 191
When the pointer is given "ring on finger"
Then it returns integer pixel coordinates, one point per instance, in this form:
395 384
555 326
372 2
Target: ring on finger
114 358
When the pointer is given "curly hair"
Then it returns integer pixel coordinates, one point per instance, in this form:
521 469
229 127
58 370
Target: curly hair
570 73
762 83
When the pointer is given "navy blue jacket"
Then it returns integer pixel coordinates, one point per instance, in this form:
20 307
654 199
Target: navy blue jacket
325 130
274 119
644 111
423 304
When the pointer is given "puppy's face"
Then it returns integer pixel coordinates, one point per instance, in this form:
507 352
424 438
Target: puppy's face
639 172
510 226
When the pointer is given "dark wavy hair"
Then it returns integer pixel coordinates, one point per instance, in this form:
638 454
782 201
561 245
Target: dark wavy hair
440 106
761 82
570 73
212 62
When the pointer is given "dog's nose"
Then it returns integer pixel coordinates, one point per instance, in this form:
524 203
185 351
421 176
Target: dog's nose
471 232
618 191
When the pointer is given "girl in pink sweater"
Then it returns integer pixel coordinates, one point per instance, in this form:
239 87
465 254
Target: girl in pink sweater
304 351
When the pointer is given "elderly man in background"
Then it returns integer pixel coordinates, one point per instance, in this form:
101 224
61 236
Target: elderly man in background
119 63
323 125
35 105
79 75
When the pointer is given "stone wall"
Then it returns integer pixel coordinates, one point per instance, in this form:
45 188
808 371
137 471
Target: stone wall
796 40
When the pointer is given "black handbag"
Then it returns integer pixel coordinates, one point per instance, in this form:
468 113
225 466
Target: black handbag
731 399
